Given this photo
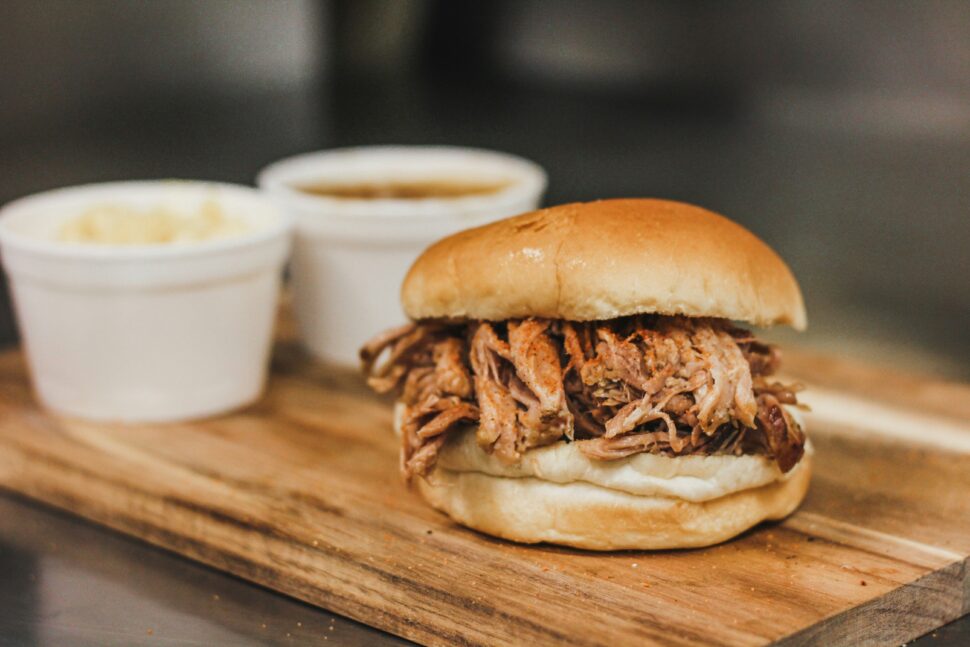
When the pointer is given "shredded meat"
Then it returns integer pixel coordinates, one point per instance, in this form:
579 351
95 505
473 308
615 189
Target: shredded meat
450 373
498 427
782 434
666 385
535 357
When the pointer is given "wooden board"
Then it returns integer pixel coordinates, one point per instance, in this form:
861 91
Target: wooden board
301 493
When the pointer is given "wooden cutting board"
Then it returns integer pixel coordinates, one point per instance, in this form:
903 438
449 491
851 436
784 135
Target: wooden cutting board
301 493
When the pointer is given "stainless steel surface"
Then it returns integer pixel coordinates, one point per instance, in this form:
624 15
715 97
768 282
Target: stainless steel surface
65 582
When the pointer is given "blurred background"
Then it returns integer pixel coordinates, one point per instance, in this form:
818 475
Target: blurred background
837 131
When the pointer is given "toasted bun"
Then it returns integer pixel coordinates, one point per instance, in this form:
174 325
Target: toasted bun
558 495
602 260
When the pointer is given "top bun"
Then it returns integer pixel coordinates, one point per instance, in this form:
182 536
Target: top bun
602 260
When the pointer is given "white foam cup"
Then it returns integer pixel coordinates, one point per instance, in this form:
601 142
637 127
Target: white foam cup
351 255
147 332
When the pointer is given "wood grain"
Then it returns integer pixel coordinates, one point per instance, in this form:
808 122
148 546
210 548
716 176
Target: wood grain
301 493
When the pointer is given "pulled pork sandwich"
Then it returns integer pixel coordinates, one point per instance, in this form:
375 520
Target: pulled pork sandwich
573 375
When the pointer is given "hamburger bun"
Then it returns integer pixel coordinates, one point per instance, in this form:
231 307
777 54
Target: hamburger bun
603 260
587 516
599 261
646 501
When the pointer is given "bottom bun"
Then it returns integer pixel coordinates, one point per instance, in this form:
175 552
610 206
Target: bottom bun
584 515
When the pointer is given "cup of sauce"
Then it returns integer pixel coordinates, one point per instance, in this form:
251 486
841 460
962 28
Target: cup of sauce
362 215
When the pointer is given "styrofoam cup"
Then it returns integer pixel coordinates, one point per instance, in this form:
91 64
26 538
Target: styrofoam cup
350 255
157 332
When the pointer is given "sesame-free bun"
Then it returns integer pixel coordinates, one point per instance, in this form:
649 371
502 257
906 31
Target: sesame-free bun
602 260
696 478
578 514
558 495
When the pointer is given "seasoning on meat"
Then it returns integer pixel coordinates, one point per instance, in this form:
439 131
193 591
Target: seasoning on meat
666 385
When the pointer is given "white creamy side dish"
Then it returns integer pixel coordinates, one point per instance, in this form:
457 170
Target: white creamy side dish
109 224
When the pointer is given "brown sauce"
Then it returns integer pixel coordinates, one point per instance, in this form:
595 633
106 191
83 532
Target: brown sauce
405 190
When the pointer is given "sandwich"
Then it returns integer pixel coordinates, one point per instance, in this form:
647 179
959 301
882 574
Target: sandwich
579 375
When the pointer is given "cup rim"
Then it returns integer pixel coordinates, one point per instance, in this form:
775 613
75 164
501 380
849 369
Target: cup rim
278 226
275 179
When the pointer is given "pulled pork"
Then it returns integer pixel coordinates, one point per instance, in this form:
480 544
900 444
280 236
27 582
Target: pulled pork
666 385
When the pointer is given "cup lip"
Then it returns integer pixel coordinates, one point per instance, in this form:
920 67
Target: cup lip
279 226
276 177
